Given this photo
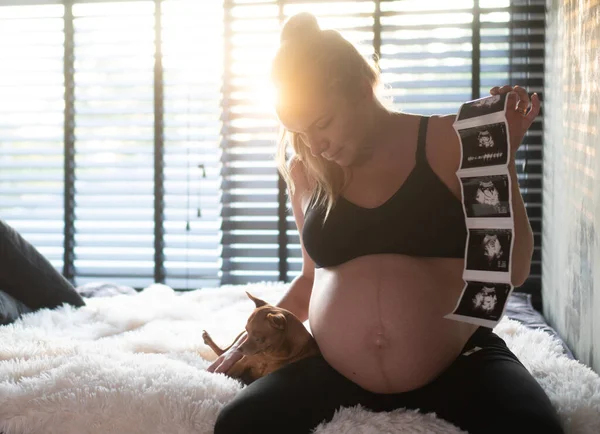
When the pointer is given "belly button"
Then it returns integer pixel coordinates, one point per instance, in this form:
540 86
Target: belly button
380 340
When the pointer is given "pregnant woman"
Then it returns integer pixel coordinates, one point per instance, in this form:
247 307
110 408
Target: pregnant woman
378 205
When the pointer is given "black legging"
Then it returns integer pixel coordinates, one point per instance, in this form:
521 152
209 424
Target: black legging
488 391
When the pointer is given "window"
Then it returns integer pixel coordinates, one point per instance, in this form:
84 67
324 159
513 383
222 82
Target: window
138 137
113 70
192 60
32 125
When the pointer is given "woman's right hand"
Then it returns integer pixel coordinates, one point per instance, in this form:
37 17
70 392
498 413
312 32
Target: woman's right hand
226 360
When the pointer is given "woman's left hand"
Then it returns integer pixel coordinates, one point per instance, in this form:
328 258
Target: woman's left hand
520 112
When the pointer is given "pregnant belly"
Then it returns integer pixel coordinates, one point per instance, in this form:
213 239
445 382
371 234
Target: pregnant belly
378 319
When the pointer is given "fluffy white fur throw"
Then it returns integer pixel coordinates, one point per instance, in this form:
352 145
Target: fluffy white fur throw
136 364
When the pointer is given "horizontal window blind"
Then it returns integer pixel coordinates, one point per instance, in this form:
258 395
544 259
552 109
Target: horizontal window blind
250 180
426 56
434 53
192 50
176 164
114 142
32 125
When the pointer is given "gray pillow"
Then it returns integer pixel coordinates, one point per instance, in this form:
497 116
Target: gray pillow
29 277
10 308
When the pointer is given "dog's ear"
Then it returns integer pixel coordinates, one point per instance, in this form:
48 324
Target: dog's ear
257 301
277 320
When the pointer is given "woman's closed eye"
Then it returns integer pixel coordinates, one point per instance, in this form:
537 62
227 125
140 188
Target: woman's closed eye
323 125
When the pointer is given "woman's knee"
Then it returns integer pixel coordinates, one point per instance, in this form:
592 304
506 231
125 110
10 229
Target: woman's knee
542 420
515 419
287 397
227 421
525 424
251 414
239 416
254 409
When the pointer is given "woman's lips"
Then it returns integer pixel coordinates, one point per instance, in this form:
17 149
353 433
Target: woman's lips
335 154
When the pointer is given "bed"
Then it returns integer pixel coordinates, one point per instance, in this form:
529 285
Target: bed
135 363
109 359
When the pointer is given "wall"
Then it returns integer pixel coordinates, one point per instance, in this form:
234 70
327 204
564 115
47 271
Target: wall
571 210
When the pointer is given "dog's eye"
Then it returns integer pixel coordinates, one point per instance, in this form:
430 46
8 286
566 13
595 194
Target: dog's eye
259 340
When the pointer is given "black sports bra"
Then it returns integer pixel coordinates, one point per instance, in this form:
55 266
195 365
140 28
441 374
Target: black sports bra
423 218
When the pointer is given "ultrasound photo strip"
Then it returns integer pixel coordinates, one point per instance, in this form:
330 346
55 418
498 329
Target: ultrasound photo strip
484 145
487 196
482 303
487 206
482 108
489 254
488 261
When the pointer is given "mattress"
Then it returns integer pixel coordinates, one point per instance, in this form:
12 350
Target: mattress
520 309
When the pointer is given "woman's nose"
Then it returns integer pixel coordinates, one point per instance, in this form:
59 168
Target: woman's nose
317 144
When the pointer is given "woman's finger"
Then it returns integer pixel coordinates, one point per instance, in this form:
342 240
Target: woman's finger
494 90
512 100
224 363
229 361
217 368
535 108
215 365
523 102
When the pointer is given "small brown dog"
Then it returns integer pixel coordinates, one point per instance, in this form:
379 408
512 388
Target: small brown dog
276 337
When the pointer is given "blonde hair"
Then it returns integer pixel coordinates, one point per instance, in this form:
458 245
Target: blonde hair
328 62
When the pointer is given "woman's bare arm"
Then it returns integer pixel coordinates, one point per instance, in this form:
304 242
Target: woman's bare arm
297 298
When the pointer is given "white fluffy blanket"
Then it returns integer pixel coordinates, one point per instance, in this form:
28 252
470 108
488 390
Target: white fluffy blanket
136 364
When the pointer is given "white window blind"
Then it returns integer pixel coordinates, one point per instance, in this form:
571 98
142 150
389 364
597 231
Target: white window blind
114 142
32 125
250 180
192 50
156 142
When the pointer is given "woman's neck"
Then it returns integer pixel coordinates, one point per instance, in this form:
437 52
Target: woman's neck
382 141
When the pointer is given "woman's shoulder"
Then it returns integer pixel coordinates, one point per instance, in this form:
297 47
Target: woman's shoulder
443 145
442 137
441 124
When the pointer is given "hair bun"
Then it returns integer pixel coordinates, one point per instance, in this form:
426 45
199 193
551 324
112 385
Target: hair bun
299 26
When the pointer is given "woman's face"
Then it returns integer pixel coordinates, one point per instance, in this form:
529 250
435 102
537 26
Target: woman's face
334 128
